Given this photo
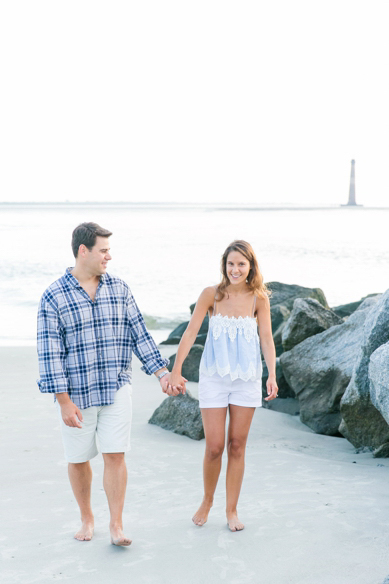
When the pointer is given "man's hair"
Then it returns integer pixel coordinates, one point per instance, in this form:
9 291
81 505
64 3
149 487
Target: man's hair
86 234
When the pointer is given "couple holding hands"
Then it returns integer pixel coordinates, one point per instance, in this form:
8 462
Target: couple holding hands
88 326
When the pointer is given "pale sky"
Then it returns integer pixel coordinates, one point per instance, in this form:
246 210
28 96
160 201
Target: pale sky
214 101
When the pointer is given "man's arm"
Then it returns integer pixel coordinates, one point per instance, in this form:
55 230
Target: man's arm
51 356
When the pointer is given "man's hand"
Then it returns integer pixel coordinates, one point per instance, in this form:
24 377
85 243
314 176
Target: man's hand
71 414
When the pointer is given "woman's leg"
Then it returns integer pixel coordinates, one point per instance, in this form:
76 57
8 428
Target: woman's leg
238 429
214 422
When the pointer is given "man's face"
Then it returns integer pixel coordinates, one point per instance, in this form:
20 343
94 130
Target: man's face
97 258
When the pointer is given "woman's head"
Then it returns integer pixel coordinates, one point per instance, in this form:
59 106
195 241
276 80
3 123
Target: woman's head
239 264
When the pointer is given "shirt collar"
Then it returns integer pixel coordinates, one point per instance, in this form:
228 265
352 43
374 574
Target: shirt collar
74 282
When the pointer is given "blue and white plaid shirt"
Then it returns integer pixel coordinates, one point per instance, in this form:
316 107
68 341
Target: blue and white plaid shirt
85 347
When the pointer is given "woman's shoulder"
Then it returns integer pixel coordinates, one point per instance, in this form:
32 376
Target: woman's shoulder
262 301
210 291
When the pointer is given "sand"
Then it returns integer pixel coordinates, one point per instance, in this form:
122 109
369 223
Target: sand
315 512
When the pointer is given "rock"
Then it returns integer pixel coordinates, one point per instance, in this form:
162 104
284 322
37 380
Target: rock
382 451
345 310
379 380
362 424
277 338
285 294
319 370
180 414
284 390
307 318
286 401
190 367
279 314
369 301
287 405
175 336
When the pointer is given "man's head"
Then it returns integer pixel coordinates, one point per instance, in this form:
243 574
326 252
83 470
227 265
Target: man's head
90 247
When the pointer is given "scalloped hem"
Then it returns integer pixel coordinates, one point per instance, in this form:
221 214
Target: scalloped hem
253 374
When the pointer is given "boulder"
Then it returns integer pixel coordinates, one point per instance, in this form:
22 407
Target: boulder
307 318
362 424
286 401
285 294
277 338
279 314
190 367
175 336
284 390
319 370
180 414
345 310
379 380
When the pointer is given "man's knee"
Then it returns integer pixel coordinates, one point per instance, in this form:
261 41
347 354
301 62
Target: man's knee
113 458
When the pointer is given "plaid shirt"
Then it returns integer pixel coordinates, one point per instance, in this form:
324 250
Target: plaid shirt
85 347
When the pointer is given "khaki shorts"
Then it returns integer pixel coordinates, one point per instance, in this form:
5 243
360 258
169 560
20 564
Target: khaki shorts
104 429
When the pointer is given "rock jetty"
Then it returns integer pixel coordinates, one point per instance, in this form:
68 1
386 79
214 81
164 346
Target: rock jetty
332 364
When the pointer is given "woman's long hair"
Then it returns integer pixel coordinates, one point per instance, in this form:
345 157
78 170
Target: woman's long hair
254 279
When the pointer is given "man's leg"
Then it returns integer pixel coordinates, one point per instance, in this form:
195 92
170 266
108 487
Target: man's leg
80 475
115 483
80 447
113 429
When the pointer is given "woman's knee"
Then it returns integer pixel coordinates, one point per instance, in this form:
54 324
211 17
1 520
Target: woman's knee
214 451
236 447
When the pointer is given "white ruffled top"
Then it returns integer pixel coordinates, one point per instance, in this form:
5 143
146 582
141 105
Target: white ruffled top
232 348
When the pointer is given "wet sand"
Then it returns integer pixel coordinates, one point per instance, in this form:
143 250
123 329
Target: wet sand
315 512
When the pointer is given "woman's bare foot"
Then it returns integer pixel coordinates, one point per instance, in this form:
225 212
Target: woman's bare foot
118 537
86 531
233 522
201 515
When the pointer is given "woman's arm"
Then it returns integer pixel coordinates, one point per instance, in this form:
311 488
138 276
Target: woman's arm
267 345
203 304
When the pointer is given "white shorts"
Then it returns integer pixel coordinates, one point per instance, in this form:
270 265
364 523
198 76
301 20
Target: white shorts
219 392
104 428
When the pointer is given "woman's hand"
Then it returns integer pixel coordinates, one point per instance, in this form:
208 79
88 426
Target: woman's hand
176 384
272 388
174 388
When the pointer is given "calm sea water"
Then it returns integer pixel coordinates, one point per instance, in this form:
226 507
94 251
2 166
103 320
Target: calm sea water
169 253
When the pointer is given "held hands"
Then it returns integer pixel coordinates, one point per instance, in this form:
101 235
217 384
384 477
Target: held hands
173 384
272 388
71 414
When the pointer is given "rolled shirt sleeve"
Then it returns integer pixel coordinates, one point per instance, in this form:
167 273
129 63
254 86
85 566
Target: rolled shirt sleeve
142 342
51 349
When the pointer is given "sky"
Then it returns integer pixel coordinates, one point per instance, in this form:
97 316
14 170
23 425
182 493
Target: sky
256 102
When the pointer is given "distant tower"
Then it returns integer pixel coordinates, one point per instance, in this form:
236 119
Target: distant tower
351 195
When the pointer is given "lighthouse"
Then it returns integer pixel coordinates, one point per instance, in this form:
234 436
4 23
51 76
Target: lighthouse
351 194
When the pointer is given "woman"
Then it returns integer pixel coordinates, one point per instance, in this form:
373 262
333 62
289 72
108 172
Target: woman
230 369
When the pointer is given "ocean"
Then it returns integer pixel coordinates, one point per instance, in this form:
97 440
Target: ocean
168 253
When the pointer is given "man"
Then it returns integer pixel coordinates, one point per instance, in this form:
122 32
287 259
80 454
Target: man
88 326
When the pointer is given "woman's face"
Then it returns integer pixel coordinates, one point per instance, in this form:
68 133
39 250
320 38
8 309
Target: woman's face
237 267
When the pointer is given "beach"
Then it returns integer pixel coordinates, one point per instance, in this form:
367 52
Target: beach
315 511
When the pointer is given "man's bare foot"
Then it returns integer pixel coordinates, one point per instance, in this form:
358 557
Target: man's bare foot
86 531
118 537
233 522
201 515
